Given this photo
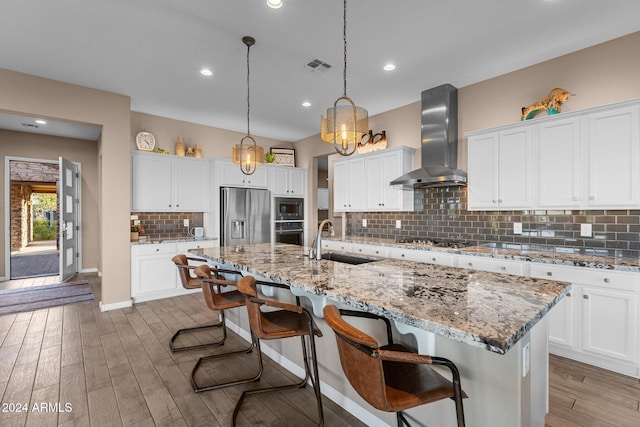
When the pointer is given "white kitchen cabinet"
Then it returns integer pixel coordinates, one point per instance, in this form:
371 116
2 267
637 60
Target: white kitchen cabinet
323 198
162 183
348 185
558 155
380 169
499 168
429 257
613 150
597 324
361 183
588 159
230 175
287 181
490 264
154 275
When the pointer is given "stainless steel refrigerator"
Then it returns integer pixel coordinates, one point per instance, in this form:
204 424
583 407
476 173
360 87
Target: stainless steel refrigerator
245 216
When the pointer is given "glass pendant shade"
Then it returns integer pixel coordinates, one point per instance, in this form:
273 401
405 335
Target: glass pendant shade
344 125
248 155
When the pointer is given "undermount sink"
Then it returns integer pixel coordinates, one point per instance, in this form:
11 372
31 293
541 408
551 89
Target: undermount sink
347 259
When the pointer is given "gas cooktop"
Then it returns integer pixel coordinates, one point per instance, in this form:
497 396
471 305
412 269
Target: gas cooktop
428 241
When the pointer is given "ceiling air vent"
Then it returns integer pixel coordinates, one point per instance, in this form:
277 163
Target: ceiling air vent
318 66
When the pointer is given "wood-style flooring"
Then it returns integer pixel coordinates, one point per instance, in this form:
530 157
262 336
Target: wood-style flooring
115 369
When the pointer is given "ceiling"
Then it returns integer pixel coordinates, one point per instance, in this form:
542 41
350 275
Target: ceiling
153 50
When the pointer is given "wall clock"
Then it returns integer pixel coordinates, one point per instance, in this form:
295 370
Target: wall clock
145 141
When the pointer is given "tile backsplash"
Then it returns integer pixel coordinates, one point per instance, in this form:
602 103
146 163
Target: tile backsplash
167 225
441 213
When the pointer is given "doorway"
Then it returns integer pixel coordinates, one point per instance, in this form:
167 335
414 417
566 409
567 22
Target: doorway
33 218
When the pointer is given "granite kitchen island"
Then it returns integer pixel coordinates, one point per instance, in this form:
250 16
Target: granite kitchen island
491 325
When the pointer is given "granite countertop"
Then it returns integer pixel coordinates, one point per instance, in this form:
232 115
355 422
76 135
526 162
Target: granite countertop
487 310
153 241
609 259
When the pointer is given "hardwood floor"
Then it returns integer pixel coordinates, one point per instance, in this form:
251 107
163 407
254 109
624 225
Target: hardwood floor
584 395
115 369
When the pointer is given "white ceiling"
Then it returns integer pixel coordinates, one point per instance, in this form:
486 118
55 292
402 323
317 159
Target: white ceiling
152 50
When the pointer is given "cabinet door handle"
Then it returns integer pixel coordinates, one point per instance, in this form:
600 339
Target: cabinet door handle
549 273
402 255
470 264
503 268
433 259
568 294
585 296
606 280
157 250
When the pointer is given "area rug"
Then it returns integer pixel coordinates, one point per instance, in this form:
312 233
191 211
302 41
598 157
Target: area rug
39 297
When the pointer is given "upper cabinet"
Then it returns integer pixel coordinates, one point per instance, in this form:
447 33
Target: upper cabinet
500 163
348 185
231 175
361 183
612 147
587 159
286 181
163 183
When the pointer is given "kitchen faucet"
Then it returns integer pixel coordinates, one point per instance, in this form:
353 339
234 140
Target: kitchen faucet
319 237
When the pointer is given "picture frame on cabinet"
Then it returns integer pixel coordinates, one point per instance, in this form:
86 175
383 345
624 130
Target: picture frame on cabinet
284 156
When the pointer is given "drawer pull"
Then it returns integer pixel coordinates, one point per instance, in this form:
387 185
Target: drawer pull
470 264
568 294
402 255
585 296
433 259
549 273
157 250
503 268
606 280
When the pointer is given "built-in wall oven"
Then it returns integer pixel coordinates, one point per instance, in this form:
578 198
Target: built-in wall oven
290 232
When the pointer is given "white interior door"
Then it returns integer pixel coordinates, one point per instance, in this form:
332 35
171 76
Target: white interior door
69 218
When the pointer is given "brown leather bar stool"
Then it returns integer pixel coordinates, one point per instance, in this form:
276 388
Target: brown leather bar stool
289 321
212 283
391 378
191 282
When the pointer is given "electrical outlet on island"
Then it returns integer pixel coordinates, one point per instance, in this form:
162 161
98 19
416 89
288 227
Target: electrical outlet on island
364 222
585 230
398 223
186 222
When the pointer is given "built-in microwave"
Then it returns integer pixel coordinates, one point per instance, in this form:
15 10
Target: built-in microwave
289 208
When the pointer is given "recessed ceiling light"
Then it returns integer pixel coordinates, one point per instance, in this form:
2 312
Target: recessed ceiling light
206 72
41 122
274 4
306 104
389 67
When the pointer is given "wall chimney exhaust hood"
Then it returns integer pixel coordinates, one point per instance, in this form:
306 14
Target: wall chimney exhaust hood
439 144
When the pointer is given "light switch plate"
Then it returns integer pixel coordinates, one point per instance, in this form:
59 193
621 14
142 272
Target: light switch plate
398 223
517 228
364 222
585 230
186 222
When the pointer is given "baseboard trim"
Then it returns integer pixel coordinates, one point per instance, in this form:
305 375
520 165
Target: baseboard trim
115 305
347 404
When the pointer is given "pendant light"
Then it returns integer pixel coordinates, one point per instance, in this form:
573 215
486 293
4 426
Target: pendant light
345 123
248 154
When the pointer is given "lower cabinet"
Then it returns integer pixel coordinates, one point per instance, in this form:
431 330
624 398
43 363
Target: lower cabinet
597 322
153 274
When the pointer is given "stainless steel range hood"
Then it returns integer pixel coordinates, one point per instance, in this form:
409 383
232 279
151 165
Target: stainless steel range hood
439 142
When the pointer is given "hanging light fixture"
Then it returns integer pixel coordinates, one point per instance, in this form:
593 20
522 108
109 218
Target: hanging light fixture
345 123
248 154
